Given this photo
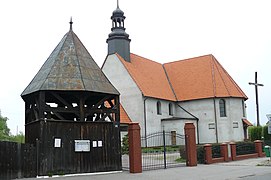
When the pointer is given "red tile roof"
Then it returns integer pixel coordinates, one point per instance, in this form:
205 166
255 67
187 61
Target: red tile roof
246 122
201 77
124 118
190 79
149 76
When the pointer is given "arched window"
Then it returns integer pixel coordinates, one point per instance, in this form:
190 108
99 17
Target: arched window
158 107
222 108
170 110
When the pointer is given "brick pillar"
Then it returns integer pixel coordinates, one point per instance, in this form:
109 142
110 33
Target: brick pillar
224 151
190 144
135 156
259 148
233 151
208 153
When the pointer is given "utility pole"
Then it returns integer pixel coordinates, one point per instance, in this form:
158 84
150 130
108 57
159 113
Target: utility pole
256 84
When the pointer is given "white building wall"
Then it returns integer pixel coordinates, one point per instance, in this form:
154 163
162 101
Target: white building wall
154 119
154 123
204 110
130 95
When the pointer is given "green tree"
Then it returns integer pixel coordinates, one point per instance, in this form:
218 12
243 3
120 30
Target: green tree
4 130
5 134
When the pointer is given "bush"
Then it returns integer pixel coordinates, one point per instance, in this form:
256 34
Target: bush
200 154
255 133
125 145
216 150
245 148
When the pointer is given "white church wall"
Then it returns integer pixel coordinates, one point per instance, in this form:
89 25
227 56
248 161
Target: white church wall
130 95
154 119
226 126
203 110
230 128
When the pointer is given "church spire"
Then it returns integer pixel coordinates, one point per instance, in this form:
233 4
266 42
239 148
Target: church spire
118 40
71 24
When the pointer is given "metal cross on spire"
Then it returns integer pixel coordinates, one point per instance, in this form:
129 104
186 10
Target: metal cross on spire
256 84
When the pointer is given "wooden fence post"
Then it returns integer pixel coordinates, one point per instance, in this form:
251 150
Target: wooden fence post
135 156
190 144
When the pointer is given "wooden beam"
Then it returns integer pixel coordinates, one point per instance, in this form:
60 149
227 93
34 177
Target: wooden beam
63 101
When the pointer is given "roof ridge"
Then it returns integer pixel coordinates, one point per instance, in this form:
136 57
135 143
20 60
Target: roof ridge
232 80
145 58
213 77
188 59
65 36
79 65
171 87
221 75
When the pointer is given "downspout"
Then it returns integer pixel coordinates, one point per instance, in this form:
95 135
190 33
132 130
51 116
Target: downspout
145 121
216 131
195 118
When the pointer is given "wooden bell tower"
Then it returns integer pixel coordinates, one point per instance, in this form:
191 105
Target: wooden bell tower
72 113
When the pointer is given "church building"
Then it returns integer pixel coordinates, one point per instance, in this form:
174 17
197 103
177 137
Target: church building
166 96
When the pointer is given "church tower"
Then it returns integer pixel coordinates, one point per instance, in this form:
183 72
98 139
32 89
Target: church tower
118 40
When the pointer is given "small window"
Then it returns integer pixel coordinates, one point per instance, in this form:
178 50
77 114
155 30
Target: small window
158 107
222 108
170 109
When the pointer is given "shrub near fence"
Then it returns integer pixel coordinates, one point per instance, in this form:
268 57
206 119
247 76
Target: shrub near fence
243 148
17 160
255 132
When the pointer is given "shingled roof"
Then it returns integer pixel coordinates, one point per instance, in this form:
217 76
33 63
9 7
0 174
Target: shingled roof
70 67
201 77
196 78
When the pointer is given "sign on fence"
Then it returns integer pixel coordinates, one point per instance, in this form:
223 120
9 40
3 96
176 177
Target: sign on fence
82 145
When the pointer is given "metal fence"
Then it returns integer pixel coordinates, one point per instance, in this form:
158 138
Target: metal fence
162 150
245 148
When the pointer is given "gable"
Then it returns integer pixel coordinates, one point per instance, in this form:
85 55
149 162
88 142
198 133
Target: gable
149 76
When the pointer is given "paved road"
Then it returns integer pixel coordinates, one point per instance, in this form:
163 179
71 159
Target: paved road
246 169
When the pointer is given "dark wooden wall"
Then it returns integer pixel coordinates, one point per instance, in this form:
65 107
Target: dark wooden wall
17 160
64 160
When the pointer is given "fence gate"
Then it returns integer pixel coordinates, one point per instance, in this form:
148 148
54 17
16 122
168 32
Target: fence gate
163 150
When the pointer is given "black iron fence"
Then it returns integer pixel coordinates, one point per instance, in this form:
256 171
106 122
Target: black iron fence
17 160
162 150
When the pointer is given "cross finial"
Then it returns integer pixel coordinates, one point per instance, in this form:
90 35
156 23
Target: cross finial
71 24
118 4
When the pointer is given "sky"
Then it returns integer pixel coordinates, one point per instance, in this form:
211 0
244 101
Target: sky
236 32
